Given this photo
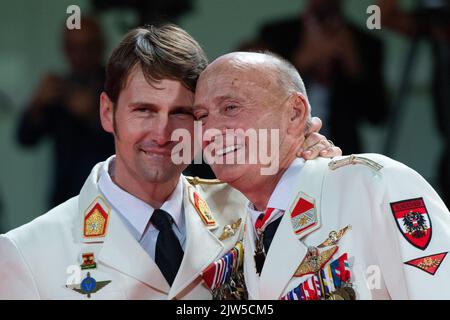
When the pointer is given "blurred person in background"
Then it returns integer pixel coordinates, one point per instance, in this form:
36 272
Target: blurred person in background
64 108
430 20
341 63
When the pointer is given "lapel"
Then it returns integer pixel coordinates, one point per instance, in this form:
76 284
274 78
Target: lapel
250 275
119 249
202 246
287 251
122 252
285 254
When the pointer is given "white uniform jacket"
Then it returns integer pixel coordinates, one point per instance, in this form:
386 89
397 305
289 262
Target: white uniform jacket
41 260
396 243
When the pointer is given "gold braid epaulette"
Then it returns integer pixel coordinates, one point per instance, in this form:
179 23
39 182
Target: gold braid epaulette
196 180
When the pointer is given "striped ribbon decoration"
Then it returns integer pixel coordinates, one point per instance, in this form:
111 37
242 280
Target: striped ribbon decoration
323 282
220 271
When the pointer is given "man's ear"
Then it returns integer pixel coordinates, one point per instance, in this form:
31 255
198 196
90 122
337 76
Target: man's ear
298 113
107 113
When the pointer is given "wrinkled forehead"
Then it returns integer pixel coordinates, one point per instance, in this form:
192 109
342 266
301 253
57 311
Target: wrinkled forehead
231 77
232 86
245 65
237 78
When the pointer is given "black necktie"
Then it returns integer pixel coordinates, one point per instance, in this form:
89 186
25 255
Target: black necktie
169 253
269 232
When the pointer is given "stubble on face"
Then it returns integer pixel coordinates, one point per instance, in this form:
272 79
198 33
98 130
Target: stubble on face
142 132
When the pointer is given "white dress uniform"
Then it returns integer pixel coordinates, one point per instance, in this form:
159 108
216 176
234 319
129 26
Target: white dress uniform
43 259
391 239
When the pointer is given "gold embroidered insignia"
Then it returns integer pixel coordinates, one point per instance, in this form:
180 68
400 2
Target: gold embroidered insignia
314 261
96 219
230 229
203 210
334 237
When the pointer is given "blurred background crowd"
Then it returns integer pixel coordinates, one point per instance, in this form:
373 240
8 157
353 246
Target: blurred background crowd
385 91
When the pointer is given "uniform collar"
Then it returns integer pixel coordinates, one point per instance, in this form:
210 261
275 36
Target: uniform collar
134 211
284 192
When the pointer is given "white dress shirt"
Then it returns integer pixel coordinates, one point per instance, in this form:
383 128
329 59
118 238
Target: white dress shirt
283 193
136 214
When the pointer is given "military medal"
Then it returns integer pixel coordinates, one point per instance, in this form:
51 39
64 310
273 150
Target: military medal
261 223
334 237
230 229
260 255
225 277
340 273
88 261
350 292
329 283
314 261
88 285
335 296
345 293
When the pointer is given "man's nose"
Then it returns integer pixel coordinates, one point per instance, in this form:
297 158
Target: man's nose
215 130
160 130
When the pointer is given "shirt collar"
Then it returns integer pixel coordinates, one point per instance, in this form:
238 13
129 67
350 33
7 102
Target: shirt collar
135 211
254 214
283 192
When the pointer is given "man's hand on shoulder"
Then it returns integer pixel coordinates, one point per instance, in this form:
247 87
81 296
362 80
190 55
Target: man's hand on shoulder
316 144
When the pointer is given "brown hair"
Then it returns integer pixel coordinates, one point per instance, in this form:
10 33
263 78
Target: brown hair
164 52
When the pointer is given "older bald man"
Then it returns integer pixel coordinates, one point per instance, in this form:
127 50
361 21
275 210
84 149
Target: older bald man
359 227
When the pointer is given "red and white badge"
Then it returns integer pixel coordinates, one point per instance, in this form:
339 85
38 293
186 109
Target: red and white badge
413 221
303 214
429 264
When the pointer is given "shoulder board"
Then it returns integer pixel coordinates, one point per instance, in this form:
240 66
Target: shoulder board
196 180
336 164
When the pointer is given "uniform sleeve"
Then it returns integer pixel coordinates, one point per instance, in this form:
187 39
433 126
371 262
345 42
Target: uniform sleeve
412 236
16 280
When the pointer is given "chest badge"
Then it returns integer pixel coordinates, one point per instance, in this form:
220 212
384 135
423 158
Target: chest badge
88 261
413 221
203 210
230 230
429 264
304 214
334 237
96 219
88 285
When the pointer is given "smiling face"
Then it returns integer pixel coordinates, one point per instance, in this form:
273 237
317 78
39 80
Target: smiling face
235 94
142 122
